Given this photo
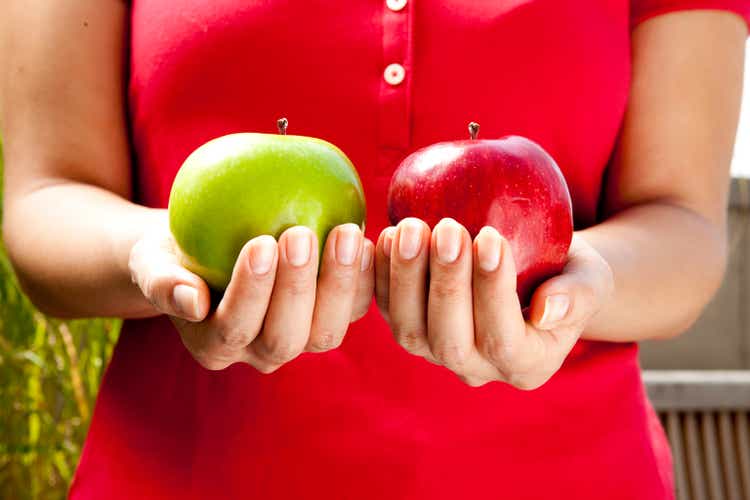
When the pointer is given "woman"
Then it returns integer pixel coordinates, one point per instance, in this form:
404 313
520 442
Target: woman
268 396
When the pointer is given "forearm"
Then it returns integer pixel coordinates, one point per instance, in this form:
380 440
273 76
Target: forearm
69 244
667 263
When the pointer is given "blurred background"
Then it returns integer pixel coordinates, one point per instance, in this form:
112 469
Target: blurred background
699 383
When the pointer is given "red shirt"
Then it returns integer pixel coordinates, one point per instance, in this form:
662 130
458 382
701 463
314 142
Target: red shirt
369 420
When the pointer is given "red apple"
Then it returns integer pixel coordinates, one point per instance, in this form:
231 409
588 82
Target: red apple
511 184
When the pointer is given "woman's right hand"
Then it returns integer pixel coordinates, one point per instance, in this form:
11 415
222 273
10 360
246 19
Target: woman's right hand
275 307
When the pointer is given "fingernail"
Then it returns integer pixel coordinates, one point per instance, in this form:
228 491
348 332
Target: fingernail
555 309
366 257
347 244
448 242
488 249
409 239
262 253
388 241
186 301
298 246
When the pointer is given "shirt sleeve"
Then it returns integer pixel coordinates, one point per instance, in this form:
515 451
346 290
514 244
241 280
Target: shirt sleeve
645 9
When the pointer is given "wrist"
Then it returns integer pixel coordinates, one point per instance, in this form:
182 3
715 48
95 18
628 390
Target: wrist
126 234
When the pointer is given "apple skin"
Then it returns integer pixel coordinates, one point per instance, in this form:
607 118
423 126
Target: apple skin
511 184
239 186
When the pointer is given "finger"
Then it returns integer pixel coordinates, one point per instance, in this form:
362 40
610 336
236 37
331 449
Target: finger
577 294
287 324
337 286
222 340
241 312
366 282
383 270
450 325
407 303
165 283
500 328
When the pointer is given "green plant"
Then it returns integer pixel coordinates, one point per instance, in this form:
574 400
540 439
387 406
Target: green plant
50 372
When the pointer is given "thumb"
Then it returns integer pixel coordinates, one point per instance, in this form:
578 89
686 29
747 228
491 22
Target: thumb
167 285
574 296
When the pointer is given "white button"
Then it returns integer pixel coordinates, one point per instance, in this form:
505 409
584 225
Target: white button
394 74
395 5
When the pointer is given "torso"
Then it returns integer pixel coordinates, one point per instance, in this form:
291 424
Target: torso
368 420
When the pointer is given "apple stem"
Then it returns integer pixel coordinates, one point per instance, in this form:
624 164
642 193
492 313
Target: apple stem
282 123
473 130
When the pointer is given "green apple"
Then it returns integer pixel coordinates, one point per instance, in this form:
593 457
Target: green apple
240 186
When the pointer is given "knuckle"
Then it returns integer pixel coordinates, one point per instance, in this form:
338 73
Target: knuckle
234 339
156 288
158 282
500 354
584 302
211 363
447 288
340 284
298 287
325 341
453 356
140 253
526 383
280 352
411 339
404 280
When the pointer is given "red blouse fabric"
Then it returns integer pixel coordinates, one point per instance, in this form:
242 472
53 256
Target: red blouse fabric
368 420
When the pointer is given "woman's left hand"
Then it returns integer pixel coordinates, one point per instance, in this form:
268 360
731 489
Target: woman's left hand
466 315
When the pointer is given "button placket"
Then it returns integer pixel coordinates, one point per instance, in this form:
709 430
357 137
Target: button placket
395 83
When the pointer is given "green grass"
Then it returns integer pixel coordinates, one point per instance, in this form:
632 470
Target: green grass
49 376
